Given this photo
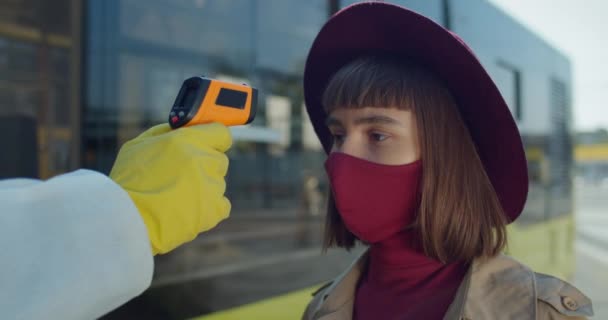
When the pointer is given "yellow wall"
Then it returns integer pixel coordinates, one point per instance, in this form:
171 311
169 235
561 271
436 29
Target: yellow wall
546 247
596 152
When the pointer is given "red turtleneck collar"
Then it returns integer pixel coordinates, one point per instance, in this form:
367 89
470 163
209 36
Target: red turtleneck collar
400 282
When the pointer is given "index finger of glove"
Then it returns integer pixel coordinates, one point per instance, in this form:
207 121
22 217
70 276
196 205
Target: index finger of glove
214 135
155 131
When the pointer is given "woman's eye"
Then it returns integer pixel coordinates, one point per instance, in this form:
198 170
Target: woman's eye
378 137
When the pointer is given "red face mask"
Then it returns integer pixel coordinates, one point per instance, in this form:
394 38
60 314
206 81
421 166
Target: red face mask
374 200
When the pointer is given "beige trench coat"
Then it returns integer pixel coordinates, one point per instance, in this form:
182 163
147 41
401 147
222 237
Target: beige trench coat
497 288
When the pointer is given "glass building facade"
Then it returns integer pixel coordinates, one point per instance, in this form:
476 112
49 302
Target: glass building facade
40 86
138 53
78 78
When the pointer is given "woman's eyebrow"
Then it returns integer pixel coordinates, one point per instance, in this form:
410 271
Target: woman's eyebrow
373 119
377 119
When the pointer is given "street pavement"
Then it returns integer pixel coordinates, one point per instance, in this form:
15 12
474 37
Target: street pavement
591 274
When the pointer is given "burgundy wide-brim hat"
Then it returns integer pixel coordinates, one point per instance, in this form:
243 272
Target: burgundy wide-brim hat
377 27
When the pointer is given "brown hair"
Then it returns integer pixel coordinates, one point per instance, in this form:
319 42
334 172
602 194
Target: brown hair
459 216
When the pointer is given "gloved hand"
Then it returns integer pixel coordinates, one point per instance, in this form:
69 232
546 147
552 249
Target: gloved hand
176 180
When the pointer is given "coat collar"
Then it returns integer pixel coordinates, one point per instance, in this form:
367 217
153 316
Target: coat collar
338 298
499 285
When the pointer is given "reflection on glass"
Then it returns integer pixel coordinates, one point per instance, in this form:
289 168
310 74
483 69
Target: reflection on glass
38 89
141 53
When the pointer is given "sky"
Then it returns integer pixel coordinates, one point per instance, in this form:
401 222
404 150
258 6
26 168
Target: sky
579 29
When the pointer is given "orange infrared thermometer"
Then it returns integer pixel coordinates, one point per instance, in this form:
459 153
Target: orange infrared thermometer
202 100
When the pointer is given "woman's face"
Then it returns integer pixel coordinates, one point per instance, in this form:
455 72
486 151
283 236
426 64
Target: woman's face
382 135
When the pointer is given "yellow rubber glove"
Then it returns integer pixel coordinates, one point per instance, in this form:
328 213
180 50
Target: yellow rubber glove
176 180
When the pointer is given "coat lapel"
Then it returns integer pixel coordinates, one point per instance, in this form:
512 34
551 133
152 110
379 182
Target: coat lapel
456 309
338 299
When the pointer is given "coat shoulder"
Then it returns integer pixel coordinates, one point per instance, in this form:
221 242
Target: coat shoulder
523 293
557 299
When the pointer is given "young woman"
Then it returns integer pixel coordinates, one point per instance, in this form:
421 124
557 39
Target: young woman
427 167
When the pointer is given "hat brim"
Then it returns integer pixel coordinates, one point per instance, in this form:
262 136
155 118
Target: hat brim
386 28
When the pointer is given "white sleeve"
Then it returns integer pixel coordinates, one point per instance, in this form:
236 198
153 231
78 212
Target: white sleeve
73 247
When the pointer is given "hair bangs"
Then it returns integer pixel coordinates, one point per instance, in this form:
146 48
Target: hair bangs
367 82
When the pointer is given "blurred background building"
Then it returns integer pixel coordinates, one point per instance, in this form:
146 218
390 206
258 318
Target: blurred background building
78 78
40 84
